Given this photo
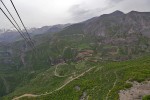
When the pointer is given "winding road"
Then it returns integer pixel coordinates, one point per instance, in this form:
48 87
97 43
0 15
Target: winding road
66 83
55 72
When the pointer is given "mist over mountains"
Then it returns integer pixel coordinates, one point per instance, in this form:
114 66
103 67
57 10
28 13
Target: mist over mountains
10 35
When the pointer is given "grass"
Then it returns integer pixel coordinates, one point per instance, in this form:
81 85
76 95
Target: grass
46 81
66 69
146 97
97 83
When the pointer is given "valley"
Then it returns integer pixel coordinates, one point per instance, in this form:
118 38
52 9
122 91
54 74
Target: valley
91 60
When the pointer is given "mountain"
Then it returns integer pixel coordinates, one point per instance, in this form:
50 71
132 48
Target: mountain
98 59
13 35
127 33
9 36
48 29
119 23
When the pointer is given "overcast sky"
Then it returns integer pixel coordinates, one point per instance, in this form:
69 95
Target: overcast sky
38 13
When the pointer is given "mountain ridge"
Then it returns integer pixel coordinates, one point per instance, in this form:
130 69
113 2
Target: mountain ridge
12 35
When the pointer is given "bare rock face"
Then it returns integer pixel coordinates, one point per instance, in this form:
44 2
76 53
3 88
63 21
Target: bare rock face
136 92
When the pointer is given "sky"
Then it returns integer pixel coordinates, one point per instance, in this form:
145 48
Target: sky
38 13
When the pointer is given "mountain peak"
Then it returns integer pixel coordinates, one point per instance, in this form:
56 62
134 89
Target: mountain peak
117 12
133 12
141 13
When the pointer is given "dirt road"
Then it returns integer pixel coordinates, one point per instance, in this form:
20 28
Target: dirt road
66 83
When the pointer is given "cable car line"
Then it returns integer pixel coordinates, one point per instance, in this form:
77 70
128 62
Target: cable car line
22 22
13 18
12 23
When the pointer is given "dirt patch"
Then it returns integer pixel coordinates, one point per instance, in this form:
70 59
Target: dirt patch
136 92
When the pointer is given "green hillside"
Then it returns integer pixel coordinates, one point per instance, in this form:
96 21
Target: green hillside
92 60
104 80
62 60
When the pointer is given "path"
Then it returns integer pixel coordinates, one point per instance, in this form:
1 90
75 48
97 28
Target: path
55 72
70 80
114 84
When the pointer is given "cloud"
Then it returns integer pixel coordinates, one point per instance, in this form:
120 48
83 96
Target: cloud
83 11
48 12
78 12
